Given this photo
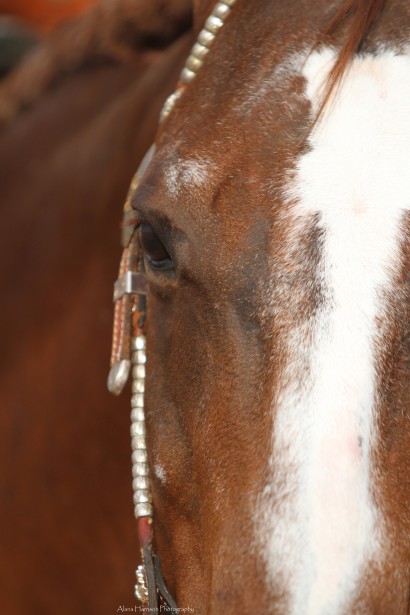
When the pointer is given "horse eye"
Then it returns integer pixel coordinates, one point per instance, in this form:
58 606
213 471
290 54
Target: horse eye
153 248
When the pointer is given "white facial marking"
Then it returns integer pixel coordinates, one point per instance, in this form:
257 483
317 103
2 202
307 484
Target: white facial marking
320 525
186 173
160 473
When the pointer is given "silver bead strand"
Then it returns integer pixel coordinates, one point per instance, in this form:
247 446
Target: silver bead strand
200 50
140 483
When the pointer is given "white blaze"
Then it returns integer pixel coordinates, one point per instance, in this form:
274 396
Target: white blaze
320 525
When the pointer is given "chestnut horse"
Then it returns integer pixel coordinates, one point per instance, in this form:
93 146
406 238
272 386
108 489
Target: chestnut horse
275 227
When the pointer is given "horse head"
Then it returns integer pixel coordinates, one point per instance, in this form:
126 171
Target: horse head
273 220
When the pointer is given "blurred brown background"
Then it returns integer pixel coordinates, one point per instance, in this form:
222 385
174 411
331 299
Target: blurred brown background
78 110
44 14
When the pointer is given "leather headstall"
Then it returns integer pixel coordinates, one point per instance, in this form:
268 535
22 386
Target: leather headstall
129 346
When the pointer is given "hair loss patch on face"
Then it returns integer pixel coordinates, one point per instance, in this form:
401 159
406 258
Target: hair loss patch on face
160 473
186 173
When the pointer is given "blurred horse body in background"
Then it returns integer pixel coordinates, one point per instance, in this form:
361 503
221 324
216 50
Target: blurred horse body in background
65 166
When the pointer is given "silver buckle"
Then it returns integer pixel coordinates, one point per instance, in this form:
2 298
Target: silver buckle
130 283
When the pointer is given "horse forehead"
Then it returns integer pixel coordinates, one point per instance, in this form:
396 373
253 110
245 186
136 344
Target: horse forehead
246 127
186 172
359 153
254 134
269 105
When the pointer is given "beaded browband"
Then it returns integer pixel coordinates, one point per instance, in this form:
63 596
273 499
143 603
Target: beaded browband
128 347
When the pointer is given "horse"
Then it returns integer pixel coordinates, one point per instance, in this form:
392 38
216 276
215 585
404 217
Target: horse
274 227
68 149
